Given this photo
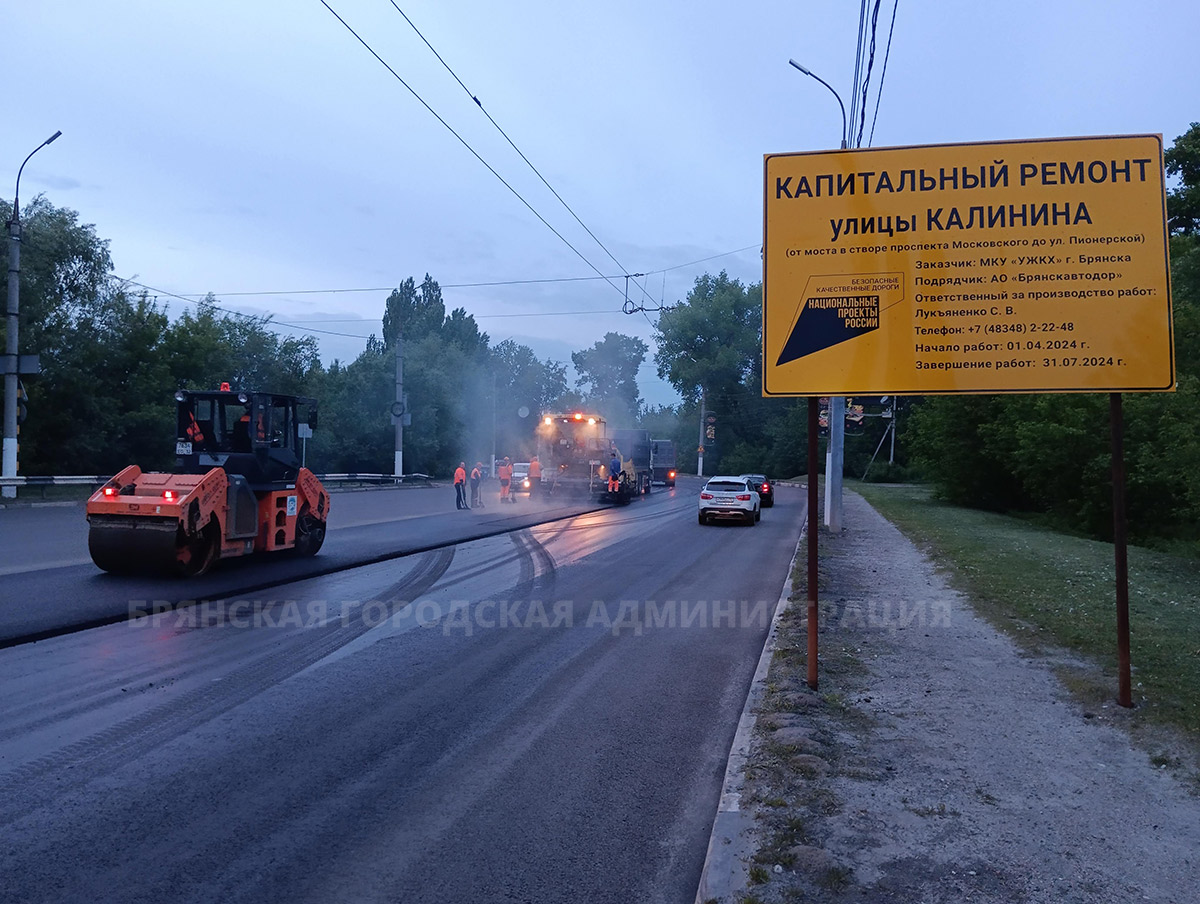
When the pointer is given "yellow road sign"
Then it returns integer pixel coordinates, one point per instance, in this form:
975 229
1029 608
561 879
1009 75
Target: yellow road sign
1021 266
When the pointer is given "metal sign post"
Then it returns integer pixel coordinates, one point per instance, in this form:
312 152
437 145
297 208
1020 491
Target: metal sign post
1120 550
812 543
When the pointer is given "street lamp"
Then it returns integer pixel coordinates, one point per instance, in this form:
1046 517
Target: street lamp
8 464
811 74
837 404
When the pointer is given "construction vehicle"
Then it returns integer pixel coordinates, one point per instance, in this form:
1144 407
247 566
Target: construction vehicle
238 488
574 452
633 448
662 462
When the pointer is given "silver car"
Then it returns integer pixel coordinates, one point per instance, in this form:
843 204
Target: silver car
731 498
520 478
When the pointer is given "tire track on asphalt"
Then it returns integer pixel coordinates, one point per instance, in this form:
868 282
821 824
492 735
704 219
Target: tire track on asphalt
24 789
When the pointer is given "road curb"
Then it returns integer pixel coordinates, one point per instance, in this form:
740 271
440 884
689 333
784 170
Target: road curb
725 872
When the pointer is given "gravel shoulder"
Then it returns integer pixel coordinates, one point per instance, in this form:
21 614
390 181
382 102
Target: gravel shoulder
940 762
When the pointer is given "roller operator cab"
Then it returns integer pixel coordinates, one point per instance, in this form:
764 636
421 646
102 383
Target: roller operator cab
238 488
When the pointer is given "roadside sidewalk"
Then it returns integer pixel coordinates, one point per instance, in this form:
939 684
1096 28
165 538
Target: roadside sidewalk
939 762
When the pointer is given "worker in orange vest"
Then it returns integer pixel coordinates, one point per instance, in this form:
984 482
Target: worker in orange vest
460 486
504 472
535 476
476 477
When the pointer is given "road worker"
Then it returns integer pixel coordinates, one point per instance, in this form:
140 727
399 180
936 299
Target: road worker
476 477
504 472
535 476
460 486
614 473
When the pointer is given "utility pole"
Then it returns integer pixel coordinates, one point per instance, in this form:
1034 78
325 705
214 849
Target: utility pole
703 415
834 463
399 408
12 364
892 450
837 406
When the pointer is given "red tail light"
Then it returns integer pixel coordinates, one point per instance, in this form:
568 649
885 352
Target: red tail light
766 488
169 495
743 497
706 495
110 491
671 474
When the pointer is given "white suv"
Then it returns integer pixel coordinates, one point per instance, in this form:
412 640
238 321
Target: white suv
520 477
729 497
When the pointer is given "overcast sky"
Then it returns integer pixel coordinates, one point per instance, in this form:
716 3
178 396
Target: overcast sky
258 147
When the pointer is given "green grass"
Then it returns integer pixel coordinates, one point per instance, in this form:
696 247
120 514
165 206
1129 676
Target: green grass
1049 590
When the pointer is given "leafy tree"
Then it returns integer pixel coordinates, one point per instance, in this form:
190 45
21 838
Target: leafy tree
1183 203
608 375
208 347
461 330
356 433
65 268
103 400
522 382
712 340
418 311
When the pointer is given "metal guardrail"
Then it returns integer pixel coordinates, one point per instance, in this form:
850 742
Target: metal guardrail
76 480
376 479
98 480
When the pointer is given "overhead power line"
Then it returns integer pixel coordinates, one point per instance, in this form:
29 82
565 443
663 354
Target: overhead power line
511 143
188 296
466 144
266 321
883 73
866 83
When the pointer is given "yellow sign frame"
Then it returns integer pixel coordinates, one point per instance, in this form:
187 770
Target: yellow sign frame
1016 266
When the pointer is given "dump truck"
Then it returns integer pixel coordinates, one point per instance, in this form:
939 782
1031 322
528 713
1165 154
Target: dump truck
662 462
238 488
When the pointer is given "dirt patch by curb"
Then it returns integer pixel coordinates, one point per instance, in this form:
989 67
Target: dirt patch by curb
940 762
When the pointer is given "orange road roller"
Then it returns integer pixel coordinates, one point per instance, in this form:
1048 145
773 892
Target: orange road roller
238 488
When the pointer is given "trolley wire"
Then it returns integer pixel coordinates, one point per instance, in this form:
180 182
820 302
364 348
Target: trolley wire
883 73
465 143
866 82
511 143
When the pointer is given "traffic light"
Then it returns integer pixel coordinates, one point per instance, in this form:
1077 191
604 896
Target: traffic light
710 432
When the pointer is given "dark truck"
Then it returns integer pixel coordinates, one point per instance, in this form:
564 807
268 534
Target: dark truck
662 461
633 447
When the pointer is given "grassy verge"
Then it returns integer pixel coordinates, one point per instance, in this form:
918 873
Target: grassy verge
1053 590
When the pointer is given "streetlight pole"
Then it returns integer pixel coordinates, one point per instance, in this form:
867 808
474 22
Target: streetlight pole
831 91
837 404
8 455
